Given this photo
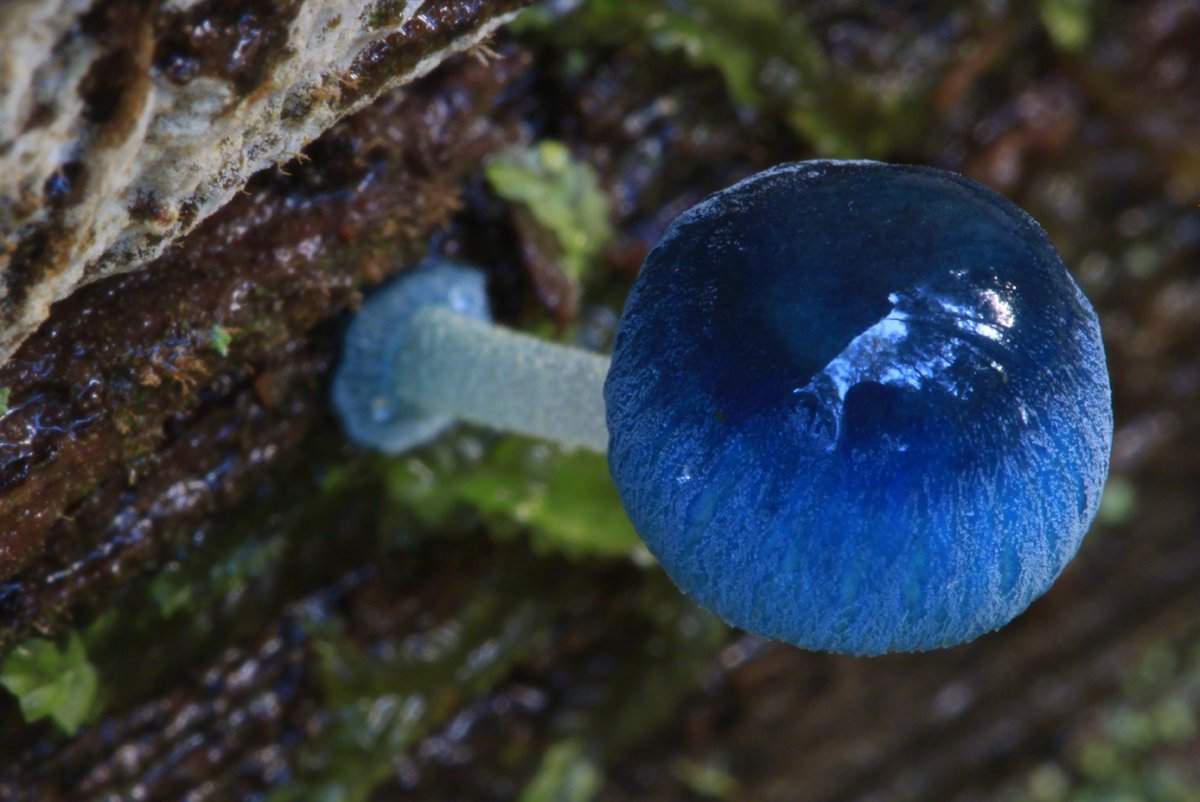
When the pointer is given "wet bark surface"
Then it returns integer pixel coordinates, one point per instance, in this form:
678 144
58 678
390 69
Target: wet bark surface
116 386
138 462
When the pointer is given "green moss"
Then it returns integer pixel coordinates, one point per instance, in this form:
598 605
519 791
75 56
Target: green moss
232 578
378 698
53 682
5 392
562 194
567 774
666 650
176 591
564 501
1069 22
382 700
219 338
769 60
705 779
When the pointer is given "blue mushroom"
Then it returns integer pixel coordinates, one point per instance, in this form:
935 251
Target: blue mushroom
853 406
859 407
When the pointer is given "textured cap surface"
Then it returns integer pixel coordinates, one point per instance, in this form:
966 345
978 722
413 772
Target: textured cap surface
859 407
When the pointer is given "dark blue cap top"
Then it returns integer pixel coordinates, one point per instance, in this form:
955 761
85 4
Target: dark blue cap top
859 407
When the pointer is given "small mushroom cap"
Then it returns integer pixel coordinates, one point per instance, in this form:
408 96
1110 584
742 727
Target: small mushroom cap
859 407
366 384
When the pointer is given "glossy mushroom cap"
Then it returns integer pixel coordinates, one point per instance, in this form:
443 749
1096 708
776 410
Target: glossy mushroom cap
859 407
365 388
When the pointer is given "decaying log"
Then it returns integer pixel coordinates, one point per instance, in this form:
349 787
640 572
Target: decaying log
125 420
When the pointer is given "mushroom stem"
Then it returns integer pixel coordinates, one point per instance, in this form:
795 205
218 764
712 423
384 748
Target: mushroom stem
499 378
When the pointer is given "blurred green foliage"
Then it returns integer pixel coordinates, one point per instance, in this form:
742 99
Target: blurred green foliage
53 682
706 779
383 697
175 590
382 701
219 338
1140 749
567 774
63 684
564 501
1069 22
768 58
562 194
1119 502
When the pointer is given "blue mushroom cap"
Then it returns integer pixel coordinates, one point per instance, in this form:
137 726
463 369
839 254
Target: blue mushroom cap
859 407
365 387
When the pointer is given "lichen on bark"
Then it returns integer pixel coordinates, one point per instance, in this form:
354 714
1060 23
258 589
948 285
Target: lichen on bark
124 124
